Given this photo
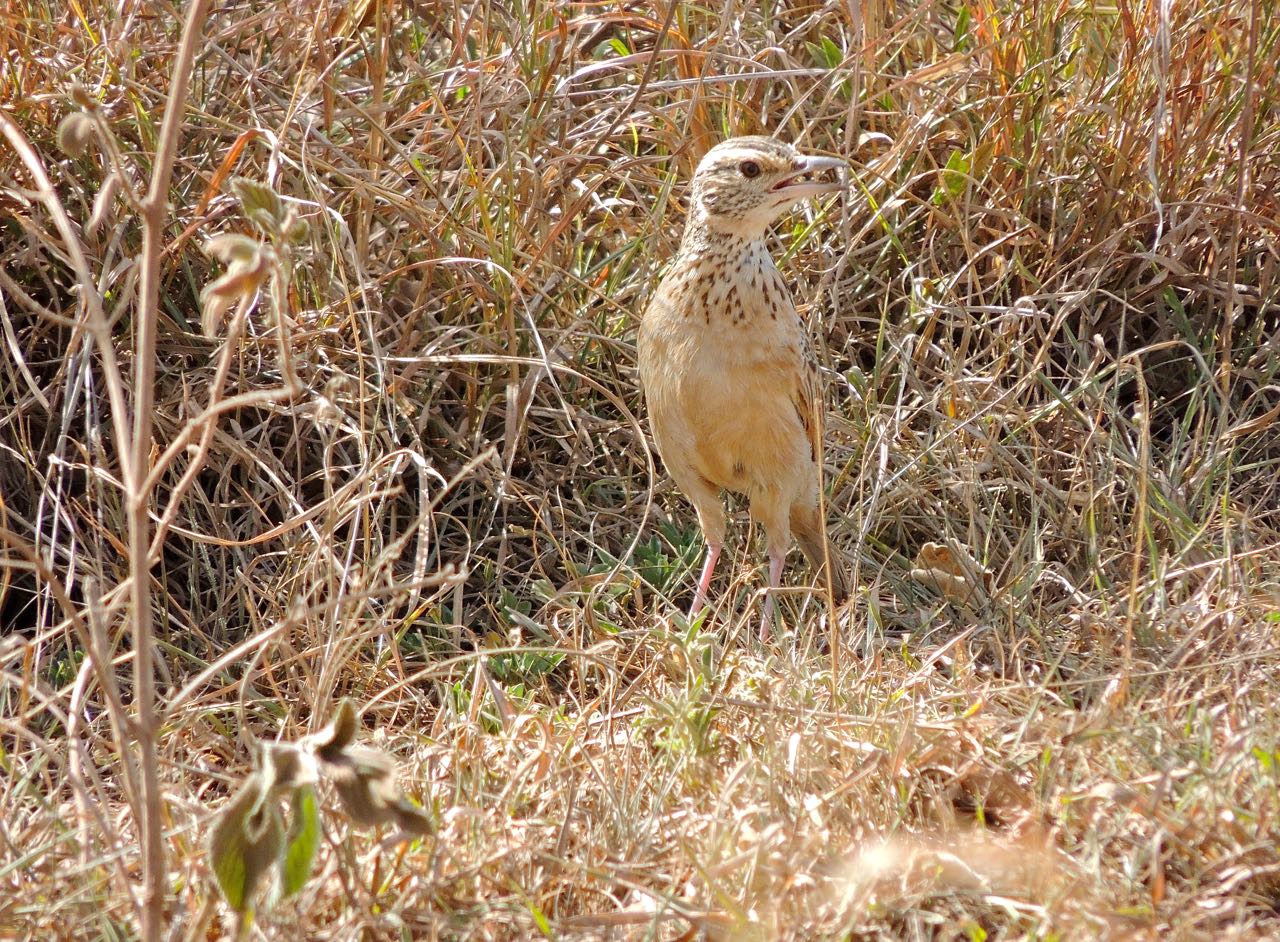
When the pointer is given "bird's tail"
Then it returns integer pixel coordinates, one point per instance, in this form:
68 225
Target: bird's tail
822 554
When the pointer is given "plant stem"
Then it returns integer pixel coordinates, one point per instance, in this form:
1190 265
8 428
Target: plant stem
154 215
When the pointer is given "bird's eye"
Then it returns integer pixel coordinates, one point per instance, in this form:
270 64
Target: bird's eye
750 169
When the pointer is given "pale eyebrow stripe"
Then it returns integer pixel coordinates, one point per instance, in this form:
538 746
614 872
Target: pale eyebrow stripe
743 153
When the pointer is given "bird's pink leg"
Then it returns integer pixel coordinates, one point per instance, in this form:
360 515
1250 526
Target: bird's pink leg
775 580
704 581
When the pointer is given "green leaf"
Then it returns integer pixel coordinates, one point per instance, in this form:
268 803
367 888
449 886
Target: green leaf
304 841
245 843
264 220
963 18
539 919
834 55
260 204
825 53
296 231
955 177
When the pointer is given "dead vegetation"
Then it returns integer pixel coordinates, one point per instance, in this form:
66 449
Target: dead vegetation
403 463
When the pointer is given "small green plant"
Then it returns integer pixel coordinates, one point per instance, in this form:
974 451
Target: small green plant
683 723
253 838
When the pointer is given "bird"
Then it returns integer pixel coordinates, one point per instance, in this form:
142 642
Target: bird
726 367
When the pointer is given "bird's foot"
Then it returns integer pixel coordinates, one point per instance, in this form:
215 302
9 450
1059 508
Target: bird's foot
775 579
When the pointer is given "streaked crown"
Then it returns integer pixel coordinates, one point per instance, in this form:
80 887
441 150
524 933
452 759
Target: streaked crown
743 184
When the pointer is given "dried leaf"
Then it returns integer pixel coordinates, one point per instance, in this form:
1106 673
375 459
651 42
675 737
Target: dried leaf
411 819
1258 424
365 781
231 247
288 766
81 97
952 570
365 778
218 296
212 306
351 18
249 265
335 737
103 202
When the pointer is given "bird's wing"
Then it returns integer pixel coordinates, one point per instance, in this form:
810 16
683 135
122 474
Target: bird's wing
807 397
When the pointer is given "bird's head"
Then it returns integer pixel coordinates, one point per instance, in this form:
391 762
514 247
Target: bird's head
743 184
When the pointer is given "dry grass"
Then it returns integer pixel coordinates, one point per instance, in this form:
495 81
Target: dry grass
1051 321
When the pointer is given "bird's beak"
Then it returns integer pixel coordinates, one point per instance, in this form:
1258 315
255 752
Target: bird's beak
806 180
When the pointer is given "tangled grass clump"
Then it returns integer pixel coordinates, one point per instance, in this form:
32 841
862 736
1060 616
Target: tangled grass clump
318 383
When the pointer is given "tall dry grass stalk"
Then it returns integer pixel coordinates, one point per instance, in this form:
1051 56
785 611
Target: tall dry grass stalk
154 211
133 450
406 465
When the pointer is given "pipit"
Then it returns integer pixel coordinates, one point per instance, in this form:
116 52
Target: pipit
730 378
